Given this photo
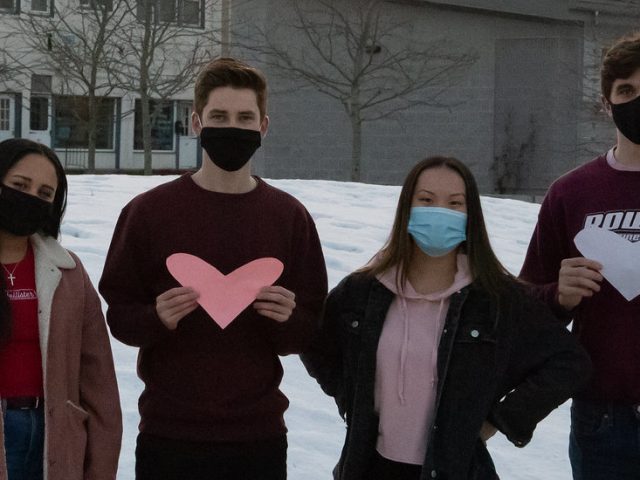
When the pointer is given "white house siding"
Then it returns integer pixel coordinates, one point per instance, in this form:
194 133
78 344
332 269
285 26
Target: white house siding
122 156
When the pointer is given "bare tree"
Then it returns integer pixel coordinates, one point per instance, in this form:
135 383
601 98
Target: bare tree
161 57
8 68
514 151
356 53
79 47
609 20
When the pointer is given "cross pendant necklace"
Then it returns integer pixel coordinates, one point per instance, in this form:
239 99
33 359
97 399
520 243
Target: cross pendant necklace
10 276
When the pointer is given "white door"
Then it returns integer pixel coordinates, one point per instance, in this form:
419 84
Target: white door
187 141
7 117
40 119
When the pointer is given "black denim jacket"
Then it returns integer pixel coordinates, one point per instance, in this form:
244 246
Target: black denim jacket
509 362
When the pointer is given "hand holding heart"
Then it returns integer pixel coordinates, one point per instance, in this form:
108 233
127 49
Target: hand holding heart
174 304
578 278
224 297
275 302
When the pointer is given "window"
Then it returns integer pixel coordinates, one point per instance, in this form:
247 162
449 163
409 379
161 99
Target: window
39 114
39 102
5 113
106 4
39 6
40 84
161 125
72 117
166 11
8 5
187 13
190 13
183 122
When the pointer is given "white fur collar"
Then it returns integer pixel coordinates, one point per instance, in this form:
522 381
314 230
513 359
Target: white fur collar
53 251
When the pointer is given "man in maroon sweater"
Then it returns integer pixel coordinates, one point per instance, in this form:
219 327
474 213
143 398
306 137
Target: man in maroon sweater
605 194
211 407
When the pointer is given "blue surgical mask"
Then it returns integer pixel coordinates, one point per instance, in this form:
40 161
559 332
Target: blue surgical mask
437 231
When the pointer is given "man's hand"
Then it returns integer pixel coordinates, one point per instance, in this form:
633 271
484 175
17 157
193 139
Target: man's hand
173 305
487 431
578 278
275 302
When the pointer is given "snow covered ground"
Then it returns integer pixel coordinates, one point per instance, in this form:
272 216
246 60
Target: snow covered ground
353 221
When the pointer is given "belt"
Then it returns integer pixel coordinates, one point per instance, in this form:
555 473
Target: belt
22 403
608 407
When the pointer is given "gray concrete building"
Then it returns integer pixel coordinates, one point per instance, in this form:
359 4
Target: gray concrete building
525 111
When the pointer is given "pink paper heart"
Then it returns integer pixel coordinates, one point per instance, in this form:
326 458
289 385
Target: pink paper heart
223 297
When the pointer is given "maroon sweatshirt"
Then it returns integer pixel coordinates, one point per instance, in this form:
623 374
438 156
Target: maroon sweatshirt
607 325
203 383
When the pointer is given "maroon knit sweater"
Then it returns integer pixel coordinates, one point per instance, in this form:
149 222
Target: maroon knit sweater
607 325
203 383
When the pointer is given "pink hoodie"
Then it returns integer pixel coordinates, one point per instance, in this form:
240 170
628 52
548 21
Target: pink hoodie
406 372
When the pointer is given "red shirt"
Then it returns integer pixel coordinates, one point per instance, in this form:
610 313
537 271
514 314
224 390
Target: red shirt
20 359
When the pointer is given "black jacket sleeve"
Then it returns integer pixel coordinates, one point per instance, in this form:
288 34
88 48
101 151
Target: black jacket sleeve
323 359
546 366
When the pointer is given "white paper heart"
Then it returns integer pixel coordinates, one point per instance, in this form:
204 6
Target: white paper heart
619 257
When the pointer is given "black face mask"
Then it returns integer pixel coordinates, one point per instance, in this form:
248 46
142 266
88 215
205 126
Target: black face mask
230 148
626 116
22 214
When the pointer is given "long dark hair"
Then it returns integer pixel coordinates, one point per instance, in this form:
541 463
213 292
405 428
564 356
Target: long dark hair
14 150
11 152
486 269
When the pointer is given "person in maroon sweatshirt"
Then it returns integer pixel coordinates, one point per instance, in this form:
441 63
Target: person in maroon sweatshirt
605 194
211 407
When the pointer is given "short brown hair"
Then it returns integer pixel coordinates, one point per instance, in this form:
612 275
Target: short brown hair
620 61
229 72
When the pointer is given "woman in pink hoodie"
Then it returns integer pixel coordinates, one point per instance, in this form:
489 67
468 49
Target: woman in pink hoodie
433 346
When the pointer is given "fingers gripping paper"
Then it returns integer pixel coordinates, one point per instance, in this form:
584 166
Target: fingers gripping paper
224 297
620 258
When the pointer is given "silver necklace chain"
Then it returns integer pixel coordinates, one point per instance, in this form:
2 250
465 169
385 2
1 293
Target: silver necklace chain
10 276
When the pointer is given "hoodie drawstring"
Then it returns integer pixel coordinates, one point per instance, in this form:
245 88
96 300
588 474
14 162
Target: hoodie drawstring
404 350
436 342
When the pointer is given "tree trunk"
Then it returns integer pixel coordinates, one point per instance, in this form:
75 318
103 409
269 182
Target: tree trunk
146 133
225 30
145 65
356 146
91 130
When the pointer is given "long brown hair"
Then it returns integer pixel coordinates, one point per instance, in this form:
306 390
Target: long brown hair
486 269
11 152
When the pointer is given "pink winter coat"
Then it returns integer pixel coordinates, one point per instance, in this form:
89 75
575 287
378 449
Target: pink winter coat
83 421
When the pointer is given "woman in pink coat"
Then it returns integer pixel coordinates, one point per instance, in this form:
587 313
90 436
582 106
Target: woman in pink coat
61 414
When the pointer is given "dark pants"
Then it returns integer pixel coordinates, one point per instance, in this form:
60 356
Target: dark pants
384 469
604 441
24 443
165 459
